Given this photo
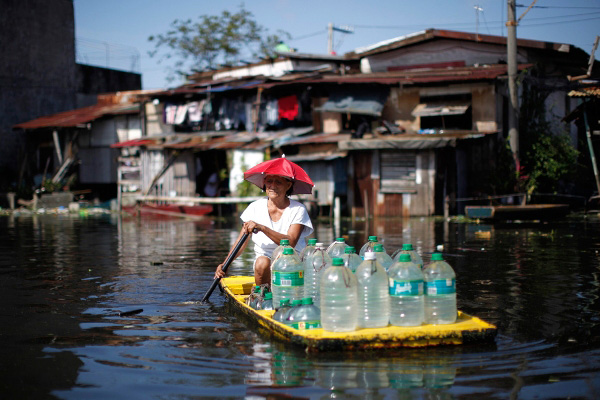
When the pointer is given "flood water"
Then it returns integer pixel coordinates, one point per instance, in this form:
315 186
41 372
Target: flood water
64 280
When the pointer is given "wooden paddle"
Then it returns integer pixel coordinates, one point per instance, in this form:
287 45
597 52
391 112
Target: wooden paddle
228 261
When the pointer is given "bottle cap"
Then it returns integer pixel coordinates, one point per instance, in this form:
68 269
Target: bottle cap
404 258
437 257
349 250
284 302
340 240
288 251
369 255
307 300
372 238
283 242
296 302
268 296
337 261
312 242
407 247
378 248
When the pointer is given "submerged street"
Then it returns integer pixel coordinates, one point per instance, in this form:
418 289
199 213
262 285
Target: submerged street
68 282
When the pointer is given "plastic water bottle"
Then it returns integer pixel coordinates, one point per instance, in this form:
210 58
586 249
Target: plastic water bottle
373 293
382 257
351 259
252 297
308 250
307 316
287 277
266 303
286 317
284 307
440 291
339 298
407 299
258 295
368 246
407 248
283 244
314 266
337 248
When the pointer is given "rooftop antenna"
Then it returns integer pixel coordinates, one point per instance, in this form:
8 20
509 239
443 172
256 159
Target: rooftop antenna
477 10
330 29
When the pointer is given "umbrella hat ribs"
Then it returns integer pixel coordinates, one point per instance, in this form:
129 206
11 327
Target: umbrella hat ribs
283 167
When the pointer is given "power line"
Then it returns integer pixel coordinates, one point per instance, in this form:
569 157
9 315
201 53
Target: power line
583 8
319 32
559 22
457 24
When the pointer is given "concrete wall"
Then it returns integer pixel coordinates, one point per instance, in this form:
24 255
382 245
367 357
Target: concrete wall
91 81
37 70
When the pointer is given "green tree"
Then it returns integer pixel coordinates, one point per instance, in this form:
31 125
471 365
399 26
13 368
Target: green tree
213 40
547 155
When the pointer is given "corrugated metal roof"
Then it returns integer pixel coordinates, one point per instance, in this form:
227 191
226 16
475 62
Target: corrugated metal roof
325 156
485 72
319 138
134 142
73 118
593 91
411 141
433 109
429 34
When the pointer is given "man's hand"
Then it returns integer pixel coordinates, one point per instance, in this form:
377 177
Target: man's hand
219 273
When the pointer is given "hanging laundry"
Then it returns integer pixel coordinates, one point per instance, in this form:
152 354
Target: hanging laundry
288 107
195 111
181 114
249 112
272 112
169 113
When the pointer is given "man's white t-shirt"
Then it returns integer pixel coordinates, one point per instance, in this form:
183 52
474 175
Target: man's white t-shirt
295 213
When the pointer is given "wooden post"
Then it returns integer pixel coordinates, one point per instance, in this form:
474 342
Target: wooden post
511 58
588 135
57 146
256 114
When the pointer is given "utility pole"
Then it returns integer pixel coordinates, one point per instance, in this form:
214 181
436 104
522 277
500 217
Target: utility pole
330 38
477 11
511 57
330 29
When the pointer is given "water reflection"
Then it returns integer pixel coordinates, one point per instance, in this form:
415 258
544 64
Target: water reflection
66 279
405 374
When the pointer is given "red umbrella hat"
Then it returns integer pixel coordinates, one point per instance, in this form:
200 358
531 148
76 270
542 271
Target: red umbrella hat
281 166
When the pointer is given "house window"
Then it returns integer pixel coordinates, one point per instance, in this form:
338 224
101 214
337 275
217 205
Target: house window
452 112
398 171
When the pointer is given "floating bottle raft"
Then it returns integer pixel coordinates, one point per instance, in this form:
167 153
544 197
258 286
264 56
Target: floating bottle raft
466 330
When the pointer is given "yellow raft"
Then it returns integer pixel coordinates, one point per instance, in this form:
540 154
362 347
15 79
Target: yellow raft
467 329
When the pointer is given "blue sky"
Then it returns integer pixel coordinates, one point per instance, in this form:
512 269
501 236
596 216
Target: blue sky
115 33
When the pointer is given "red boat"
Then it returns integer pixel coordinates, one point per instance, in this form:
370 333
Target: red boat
170 210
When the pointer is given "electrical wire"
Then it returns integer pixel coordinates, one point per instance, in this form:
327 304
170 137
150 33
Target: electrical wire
319 32
493 23
571 7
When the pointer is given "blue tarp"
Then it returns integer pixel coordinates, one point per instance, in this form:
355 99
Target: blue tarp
354 102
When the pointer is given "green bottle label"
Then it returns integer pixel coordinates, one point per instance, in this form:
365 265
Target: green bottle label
406 288
440 287
304 325
288 278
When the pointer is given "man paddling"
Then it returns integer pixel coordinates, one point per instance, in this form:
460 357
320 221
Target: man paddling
276 217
